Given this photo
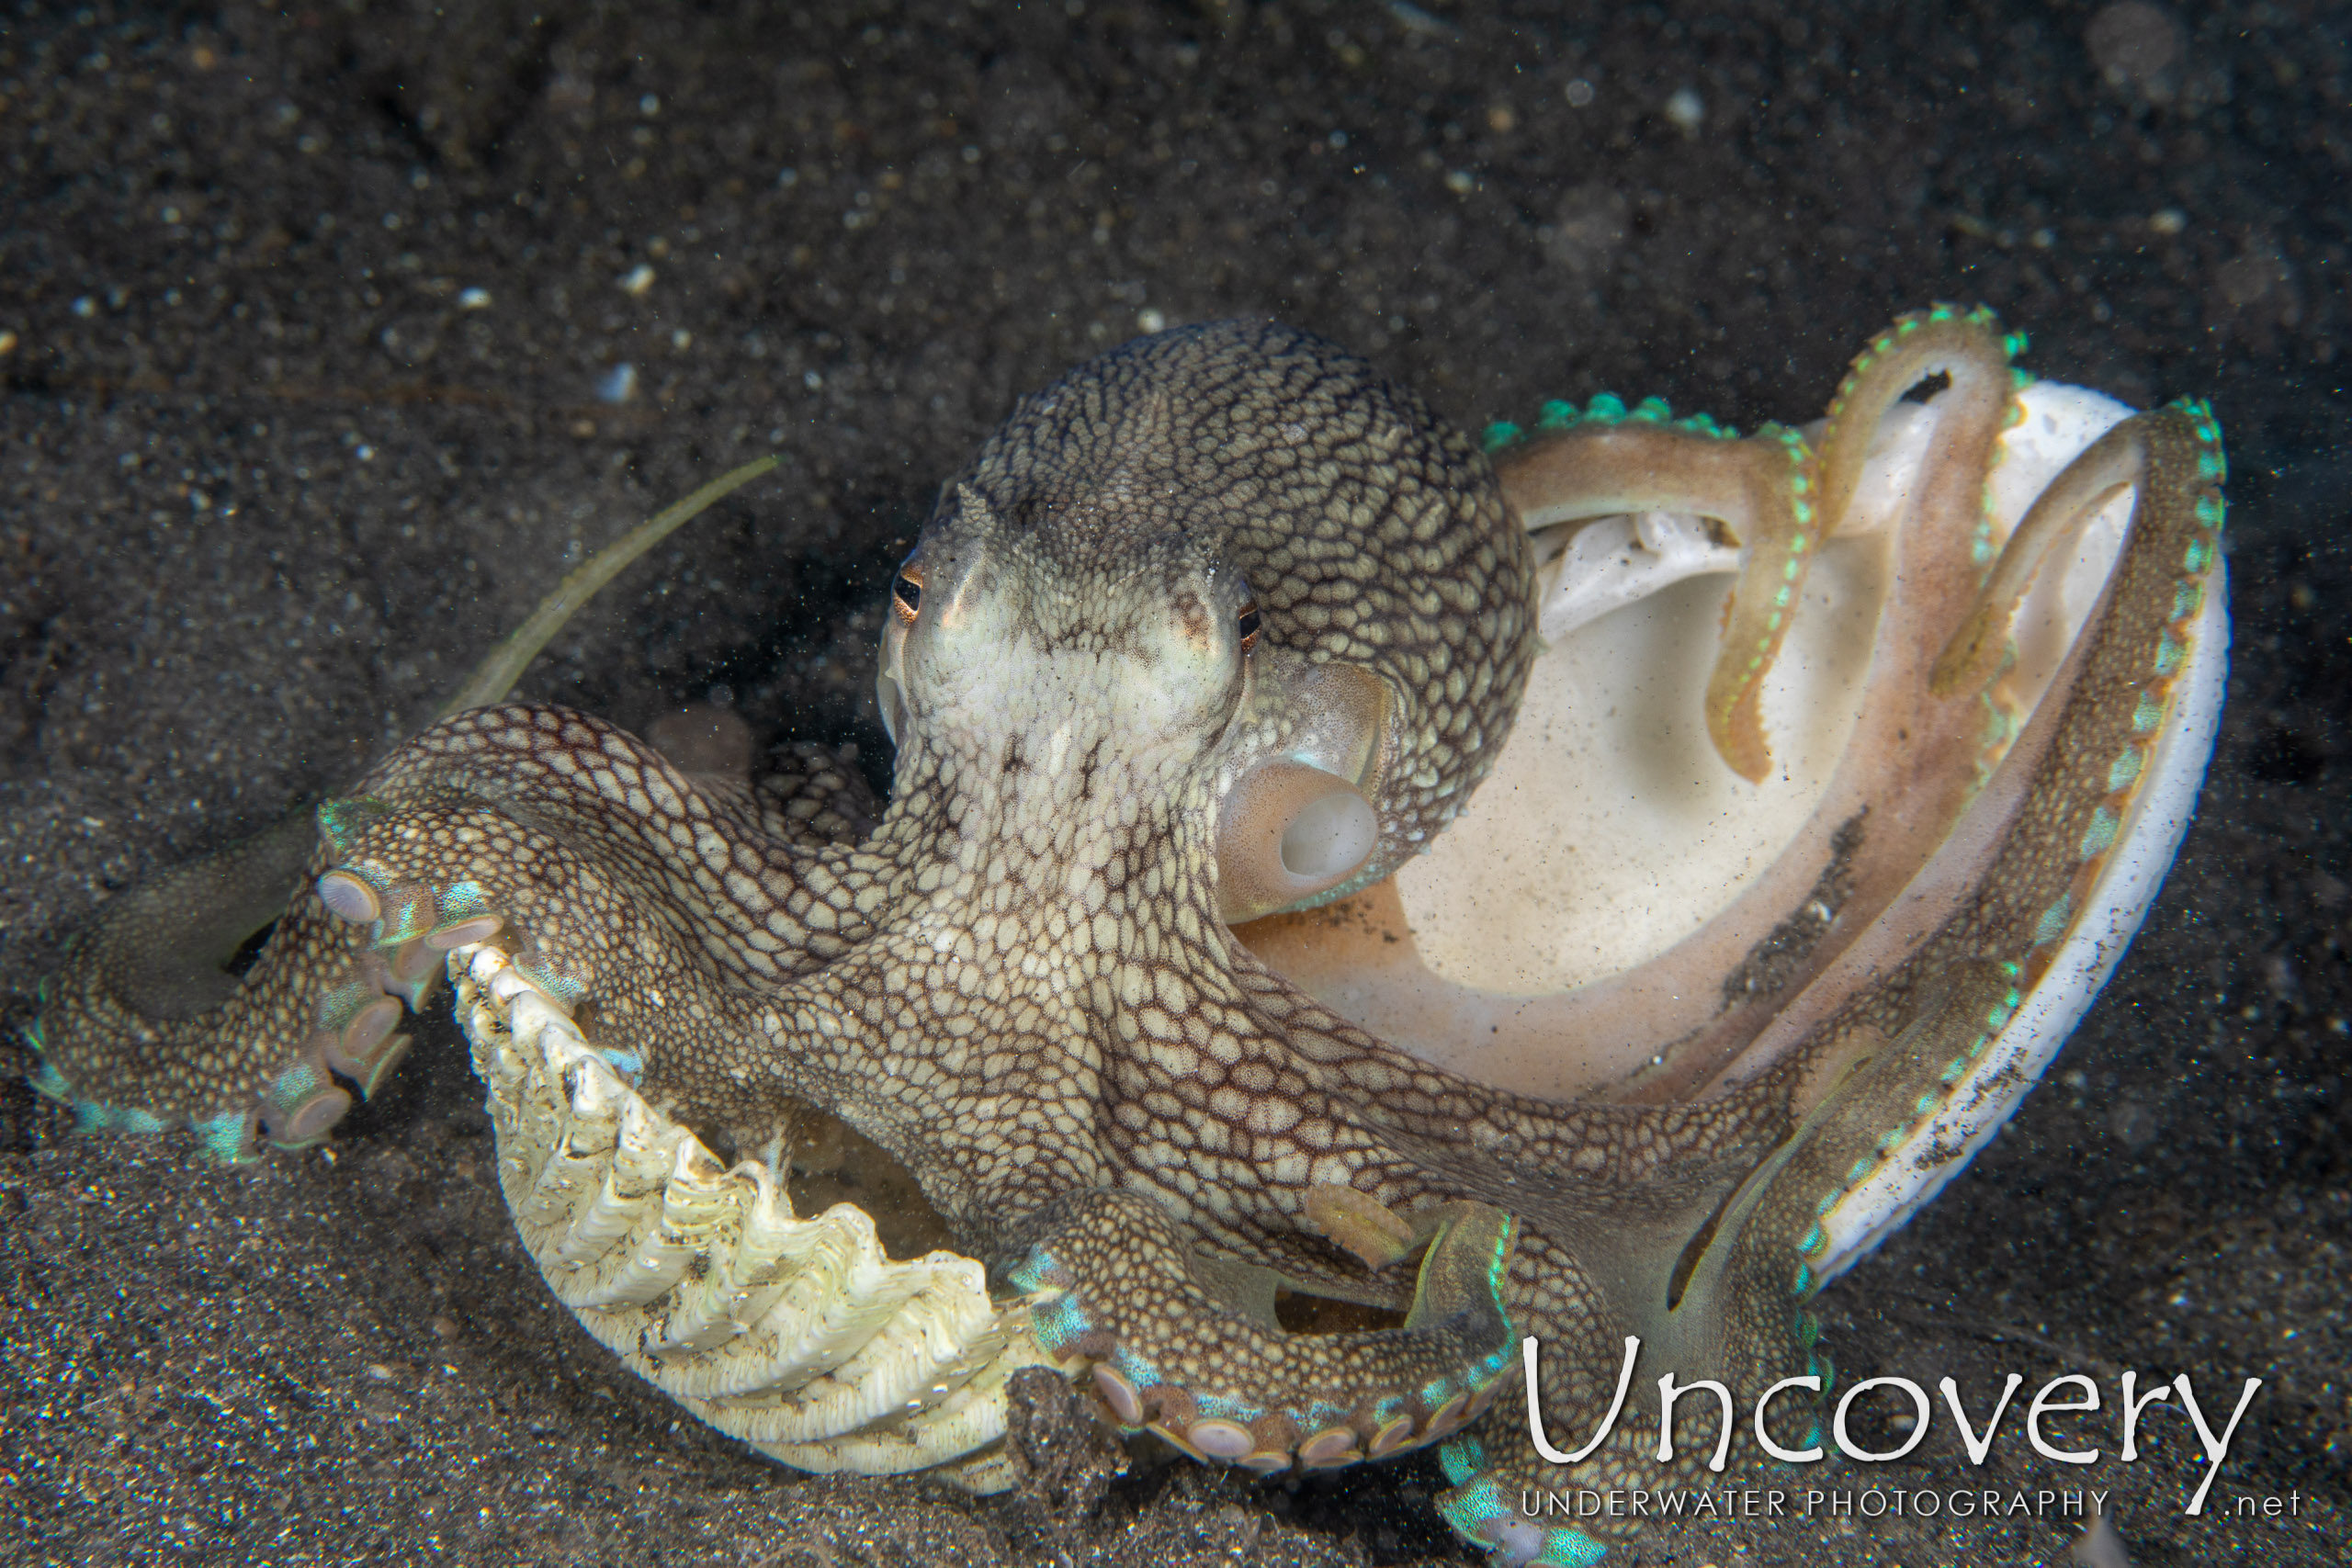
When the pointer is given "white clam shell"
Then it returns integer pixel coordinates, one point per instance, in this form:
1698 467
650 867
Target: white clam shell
1644 834
798 1335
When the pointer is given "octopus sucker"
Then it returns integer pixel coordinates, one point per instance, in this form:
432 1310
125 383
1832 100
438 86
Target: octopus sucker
1580 898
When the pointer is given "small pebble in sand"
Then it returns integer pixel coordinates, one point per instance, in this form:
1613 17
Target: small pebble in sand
1587 228
2135 1125
1686 111
2134 46
637 281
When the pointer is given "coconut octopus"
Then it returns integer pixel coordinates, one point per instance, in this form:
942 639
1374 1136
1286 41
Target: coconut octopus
1286 1126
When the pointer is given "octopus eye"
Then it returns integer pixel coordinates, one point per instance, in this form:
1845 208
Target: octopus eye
908 592
1247 624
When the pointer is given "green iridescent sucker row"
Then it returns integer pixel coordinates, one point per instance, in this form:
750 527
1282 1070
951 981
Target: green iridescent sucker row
1605 409
1471 1508
2016 976
222 1139
1476 1502
227 1136
1060 1322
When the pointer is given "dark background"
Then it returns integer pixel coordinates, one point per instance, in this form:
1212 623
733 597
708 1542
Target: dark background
272 479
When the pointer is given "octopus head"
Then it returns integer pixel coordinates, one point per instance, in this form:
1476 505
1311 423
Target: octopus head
1039 645
1222 572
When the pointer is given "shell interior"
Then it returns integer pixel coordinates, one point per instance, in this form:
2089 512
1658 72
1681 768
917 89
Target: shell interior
1610 833
1608 830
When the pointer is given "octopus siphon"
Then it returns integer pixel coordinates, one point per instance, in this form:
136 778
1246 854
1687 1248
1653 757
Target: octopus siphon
1285 1120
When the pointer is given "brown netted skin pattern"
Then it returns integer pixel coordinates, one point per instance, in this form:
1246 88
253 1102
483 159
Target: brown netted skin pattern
1018 985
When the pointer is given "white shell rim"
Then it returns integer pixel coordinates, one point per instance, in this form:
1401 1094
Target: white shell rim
1940 1145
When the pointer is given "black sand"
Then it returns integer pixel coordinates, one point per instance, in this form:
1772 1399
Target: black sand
271 477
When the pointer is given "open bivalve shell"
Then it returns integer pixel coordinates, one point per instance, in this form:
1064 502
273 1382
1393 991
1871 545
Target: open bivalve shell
1615 892
798 1335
